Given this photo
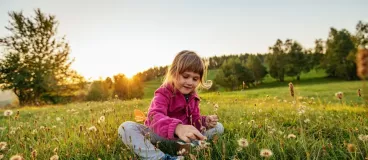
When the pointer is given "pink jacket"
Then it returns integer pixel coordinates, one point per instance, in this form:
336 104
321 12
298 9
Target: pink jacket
168 109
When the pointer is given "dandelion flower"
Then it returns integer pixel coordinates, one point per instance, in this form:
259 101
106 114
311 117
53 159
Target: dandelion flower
266 153
339 95
16 157
54 157
92 128
101 120
243 142
3 145
291 136
8 113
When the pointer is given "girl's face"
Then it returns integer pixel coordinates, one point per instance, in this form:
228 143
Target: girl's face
187 82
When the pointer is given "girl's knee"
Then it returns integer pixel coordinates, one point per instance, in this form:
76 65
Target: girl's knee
126 126
219 128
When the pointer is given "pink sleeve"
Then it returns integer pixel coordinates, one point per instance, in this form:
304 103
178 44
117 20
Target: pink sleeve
160 123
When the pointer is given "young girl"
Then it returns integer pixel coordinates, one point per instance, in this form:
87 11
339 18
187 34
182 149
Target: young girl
174 111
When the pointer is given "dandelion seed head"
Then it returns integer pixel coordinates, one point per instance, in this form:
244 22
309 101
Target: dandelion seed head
92 129
16 157
8 113
3 145
54 157
291 136
266 153
242 142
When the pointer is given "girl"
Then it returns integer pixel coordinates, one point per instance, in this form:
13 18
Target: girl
174 111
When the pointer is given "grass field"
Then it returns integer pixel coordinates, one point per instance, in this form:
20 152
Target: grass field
313 125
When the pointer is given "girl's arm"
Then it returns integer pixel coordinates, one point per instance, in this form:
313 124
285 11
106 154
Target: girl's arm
158 121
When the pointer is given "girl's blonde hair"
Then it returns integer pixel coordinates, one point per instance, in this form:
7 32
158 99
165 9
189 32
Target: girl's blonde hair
185 61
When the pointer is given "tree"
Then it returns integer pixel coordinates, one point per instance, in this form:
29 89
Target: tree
276 61
339 60
296 59
36 62
257 68
135 88
121 85
362 33
232 73
99 91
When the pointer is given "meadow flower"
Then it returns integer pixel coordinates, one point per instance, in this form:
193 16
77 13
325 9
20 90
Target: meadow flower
291 88
58 119
291 136
53 127
203 144
34 154
16 157
182 151
306 120
363 137
242 142
285 101
3 145
56 150
34 131
351 147
266 153
339 95
216 106
253 113
8 113
301 111
92 128
54 157
101 120
281 132
251 122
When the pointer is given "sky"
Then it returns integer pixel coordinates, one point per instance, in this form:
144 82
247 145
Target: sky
110 37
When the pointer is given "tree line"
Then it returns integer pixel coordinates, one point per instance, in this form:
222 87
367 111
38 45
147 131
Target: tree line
35 63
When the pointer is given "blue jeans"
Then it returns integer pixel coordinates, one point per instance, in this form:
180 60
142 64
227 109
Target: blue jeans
141 139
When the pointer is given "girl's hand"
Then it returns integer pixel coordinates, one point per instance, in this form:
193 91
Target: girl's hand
211 121
187 133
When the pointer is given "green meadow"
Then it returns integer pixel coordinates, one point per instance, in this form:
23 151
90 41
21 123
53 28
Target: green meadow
314 124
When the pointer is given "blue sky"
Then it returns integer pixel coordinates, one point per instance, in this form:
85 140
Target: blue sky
109 37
